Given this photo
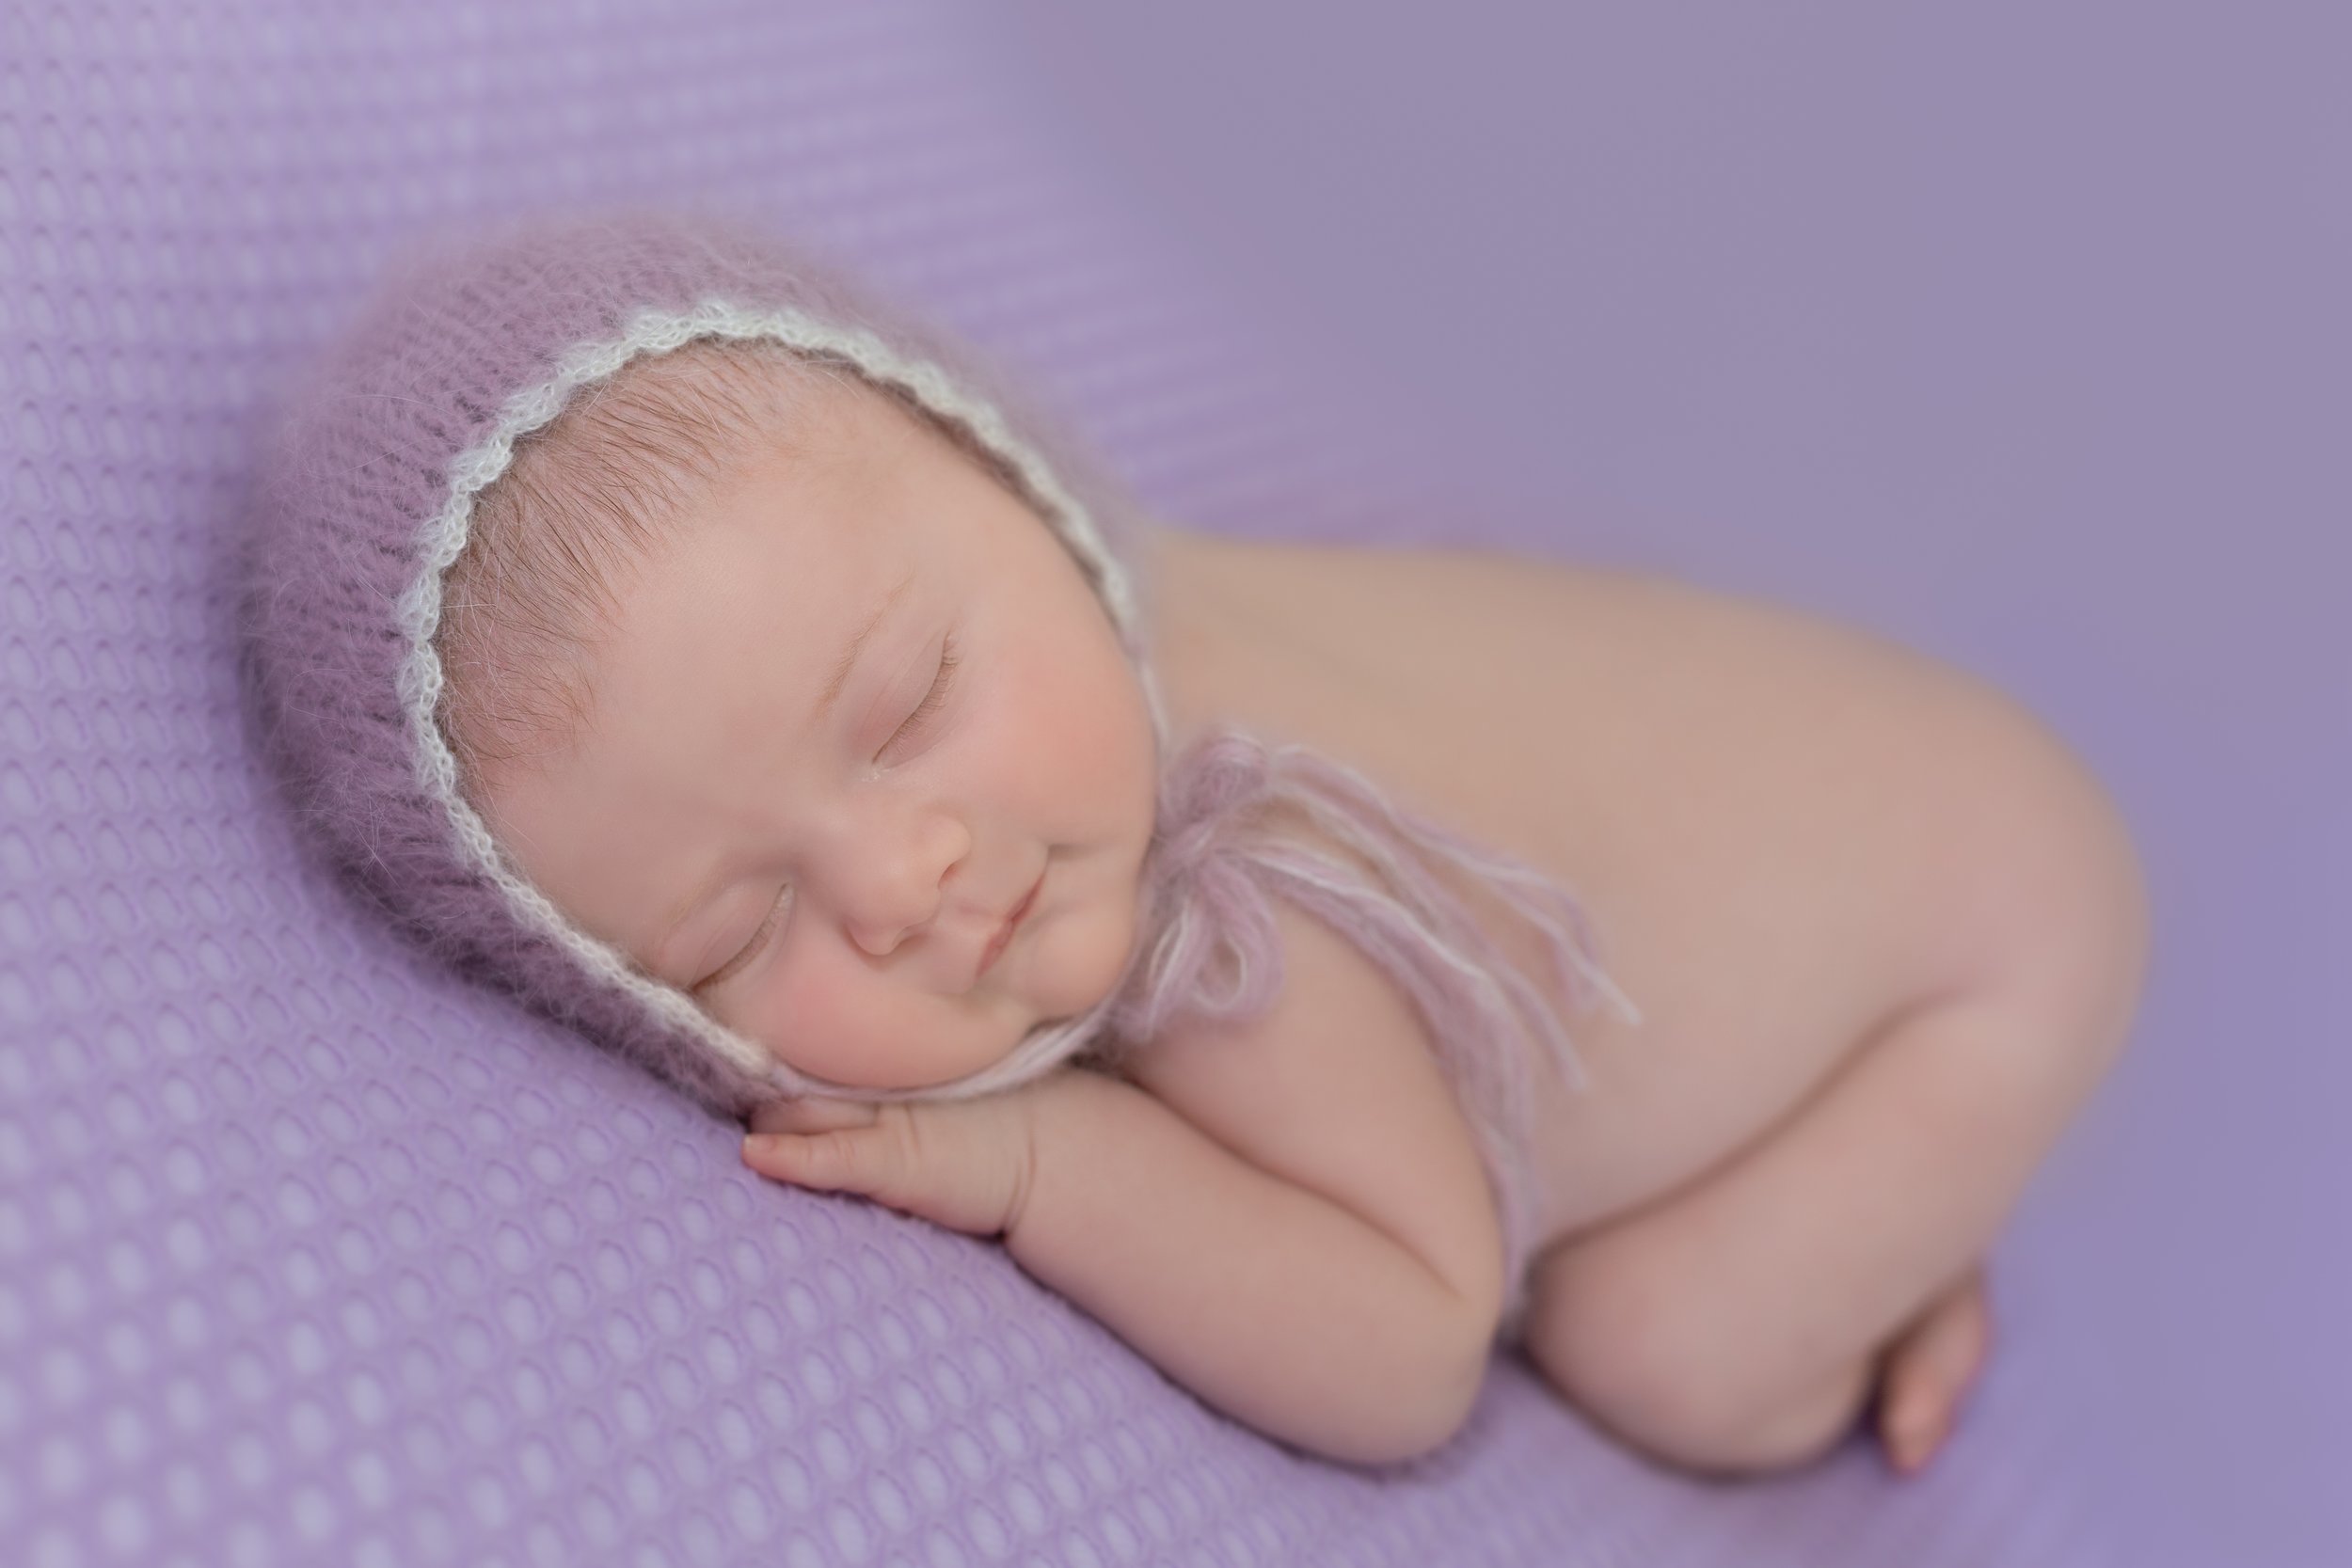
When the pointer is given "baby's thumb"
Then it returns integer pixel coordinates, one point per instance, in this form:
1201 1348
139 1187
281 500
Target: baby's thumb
811 1113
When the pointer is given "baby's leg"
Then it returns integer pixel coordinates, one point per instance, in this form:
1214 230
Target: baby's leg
1736 1324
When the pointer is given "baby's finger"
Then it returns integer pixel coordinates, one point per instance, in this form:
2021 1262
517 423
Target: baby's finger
855 1159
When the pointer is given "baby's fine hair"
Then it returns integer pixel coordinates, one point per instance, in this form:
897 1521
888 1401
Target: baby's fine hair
586 497
595 493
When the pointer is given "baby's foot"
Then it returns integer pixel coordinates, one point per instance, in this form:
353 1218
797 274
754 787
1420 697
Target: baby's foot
1927 1372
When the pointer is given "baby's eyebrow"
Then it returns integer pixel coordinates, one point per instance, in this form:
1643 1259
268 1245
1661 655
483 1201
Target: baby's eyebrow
839 676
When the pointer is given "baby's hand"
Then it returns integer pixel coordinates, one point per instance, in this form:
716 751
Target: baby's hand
964 1163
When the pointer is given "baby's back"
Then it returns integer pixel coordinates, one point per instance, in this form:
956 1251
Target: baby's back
1778 827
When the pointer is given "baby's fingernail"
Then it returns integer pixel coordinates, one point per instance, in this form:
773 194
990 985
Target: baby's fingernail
764 1143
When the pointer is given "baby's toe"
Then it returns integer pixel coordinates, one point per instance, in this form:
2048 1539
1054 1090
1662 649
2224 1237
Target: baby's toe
1927 1371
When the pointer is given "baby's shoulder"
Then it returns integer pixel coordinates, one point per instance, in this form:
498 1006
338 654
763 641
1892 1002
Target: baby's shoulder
1336 1088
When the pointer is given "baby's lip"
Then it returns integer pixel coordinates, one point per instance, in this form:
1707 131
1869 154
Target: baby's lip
996 943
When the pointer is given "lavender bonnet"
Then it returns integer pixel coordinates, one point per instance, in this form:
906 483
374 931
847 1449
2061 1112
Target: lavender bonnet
367 483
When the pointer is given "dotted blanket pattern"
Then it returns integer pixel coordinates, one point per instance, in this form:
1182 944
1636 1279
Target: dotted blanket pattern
311 1254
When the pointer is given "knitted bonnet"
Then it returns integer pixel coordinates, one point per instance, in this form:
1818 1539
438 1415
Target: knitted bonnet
367 487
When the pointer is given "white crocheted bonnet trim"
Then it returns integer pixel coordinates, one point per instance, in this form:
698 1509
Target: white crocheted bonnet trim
443 539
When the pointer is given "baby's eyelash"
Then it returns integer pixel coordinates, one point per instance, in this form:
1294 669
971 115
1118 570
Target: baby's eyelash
758 941
948 660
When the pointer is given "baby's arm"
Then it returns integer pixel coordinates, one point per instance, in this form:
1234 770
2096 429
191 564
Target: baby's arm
1272 1302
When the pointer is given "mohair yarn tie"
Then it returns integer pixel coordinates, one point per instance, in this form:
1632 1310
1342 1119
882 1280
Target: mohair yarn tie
1211 949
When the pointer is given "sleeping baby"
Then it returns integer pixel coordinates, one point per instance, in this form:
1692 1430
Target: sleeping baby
664 630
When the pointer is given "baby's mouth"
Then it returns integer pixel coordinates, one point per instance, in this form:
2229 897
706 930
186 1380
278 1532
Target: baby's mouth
997 943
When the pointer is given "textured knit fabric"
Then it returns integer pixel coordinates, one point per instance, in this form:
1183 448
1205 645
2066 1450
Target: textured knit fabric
314 1252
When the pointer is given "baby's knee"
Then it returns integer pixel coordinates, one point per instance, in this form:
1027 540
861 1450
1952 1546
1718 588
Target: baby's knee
1643 1364
2068 912
1797 1428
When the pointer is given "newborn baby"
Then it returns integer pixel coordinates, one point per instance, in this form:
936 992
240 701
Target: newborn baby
840 740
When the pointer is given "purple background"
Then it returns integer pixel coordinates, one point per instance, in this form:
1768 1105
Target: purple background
2018 331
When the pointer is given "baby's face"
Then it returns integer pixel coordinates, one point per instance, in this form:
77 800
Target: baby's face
846 722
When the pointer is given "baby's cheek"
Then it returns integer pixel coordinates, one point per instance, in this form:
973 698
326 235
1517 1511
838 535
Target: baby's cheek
1078 737
1081 958
815 1016
830 1016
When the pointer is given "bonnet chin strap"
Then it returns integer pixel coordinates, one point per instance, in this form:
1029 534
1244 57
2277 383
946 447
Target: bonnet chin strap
1213 950
1209 947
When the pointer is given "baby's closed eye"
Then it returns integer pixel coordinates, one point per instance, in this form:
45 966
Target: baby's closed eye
949 658
752 948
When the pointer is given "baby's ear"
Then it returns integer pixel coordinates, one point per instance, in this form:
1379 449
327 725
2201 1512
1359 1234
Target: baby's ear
810 1114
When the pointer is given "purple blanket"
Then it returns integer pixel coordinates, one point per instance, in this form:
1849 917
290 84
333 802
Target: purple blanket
308 1254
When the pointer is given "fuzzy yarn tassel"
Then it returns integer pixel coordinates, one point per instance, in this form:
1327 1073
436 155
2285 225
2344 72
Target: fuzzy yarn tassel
1210 946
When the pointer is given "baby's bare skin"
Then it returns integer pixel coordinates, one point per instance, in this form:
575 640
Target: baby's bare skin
1886 932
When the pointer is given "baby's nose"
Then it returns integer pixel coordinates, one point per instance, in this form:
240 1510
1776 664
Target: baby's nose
882 939
898 889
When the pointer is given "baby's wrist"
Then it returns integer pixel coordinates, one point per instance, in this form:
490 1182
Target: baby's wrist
1058 1112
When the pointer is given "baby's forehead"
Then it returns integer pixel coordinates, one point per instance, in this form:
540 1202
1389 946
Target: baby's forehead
811 409
761 424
